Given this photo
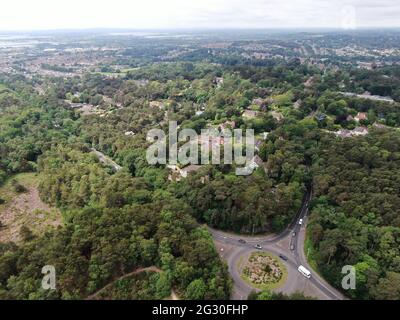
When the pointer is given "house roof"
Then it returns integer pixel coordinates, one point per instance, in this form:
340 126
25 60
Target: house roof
258 160
250 113
191 168
361 116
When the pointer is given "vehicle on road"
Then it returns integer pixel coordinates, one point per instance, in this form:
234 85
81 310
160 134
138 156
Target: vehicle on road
305 272
242 241
284 258
257 246
300 221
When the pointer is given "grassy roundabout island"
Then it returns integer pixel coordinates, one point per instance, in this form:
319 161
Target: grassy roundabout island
262 270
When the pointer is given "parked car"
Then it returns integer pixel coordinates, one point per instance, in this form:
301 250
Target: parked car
242 241
257 246
293 234
300 221
292 247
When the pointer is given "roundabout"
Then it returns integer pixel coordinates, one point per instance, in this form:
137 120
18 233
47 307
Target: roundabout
262 270
287 248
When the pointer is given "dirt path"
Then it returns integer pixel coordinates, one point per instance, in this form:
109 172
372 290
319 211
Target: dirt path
93 296
137 271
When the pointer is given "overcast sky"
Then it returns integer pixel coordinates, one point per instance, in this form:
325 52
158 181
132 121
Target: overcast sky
154 14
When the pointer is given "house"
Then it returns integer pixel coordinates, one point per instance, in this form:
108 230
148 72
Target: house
297 104
250 114
211 140
227 125
361 116
359 131
189 169
260 102
309 83
219 81
258 144
350 118
270 101
177 173
321 117
199 113
380 126
157 104
265 135
278 116
256 163
343 133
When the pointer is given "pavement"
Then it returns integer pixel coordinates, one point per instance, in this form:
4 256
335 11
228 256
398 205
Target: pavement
290 244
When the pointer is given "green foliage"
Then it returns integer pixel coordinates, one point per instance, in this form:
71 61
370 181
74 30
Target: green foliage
196 290
268 295
355 217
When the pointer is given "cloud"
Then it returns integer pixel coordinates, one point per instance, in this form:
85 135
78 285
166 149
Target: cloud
51 14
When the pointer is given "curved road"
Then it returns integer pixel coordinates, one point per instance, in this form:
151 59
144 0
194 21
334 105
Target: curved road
290 244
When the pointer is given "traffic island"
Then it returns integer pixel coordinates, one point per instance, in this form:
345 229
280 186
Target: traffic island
262 270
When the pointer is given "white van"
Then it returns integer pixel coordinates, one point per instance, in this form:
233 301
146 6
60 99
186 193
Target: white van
304 272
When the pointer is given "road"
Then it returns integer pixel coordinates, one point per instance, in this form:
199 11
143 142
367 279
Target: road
289 243
106 160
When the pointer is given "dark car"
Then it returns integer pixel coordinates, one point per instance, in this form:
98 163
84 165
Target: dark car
242 241
283 257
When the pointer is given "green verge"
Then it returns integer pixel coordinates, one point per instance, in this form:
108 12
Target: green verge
310 253
270 286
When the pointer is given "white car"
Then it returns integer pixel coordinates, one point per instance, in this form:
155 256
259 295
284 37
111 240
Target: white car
300 221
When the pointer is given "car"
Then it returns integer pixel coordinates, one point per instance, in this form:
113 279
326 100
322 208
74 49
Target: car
242 241
292 247
300 221
284 258
293 234
257 246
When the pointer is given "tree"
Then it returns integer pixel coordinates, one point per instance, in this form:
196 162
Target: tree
265 295
196 290
26 234
388 287
163 285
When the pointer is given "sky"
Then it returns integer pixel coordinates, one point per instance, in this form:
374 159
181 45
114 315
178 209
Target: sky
175 14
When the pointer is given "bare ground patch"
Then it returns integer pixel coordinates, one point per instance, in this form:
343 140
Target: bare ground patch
25 209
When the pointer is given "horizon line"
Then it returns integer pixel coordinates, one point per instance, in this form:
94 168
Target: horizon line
180 29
